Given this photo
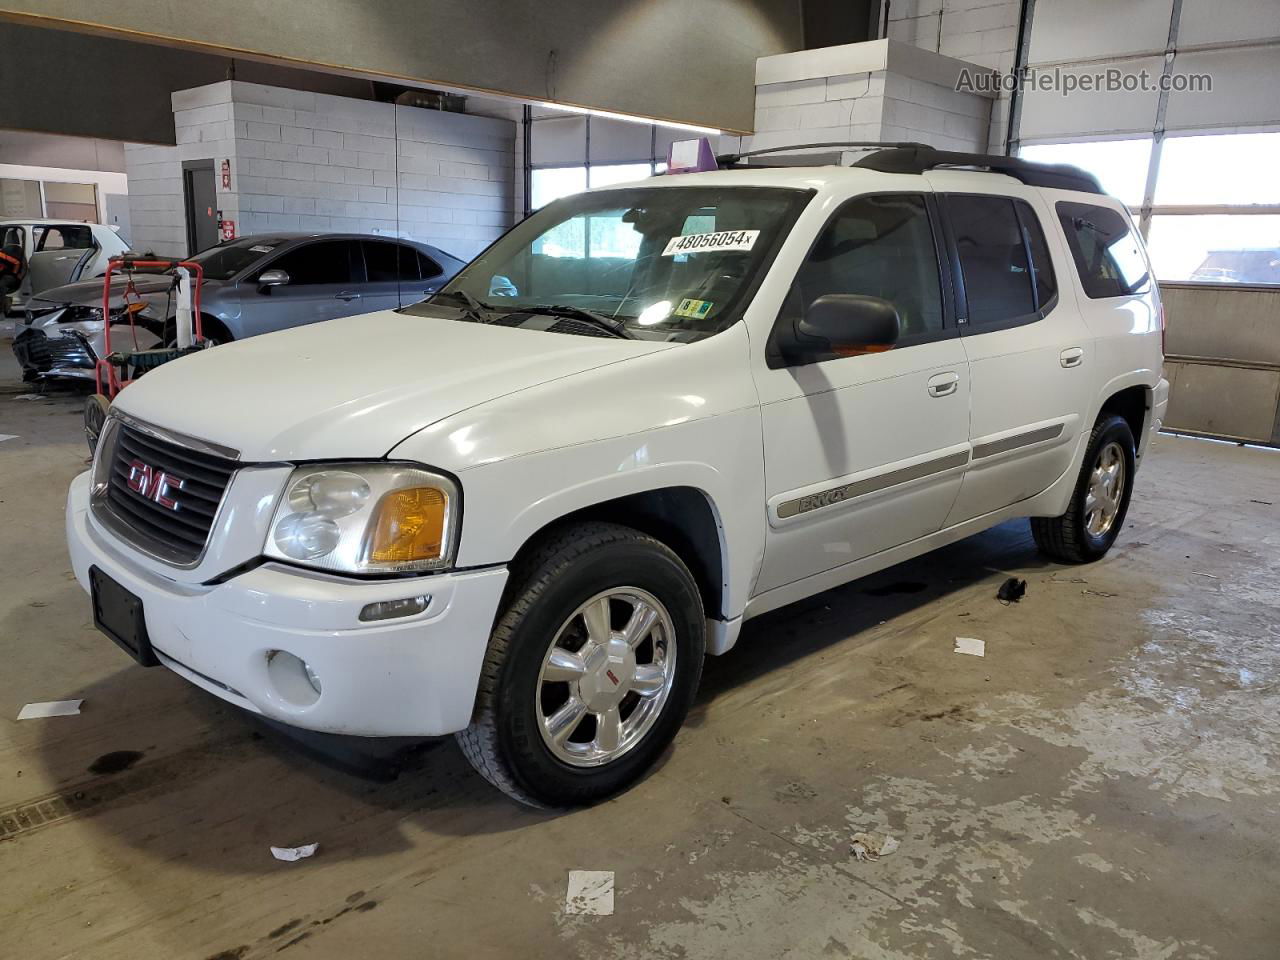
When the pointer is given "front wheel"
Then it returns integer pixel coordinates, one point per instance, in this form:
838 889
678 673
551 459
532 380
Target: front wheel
1099 502
590 670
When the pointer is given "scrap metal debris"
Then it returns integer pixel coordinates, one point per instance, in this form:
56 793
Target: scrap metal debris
1011 591
51 708
1265 503
971 645
294 853
8 436
1099 593
29 396
590 892
872 846
1197 573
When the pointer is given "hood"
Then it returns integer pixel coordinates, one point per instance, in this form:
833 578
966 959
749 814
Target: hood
88 293
355 387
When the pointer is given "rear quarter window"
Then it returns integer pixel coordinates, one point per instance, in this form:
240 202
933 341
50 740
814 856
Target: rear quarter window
1106 250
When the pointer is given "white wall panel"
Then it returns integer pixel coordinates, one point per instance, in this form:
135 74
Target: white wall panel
1050 115
1213 21
1087 29
559 140
1245 84
618 141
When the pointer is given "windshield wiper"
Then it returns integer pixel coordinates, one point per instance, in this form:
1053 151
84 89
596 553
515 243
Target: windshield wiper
474 309
597 320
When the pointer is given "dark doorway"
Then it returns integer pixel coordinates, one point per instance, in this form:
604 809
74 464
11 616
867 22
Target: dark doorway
200 194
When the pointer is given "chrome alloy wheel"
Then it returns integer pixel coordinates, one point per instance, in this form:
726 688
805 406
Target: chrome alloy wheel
606 676
1106 489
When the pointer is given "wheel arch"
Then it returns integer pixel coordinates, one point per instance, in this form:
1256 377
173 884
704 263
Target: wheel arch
684 518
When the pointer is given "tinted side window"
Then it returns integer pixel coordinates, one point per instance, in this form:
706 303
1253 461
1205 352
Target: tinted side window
880 246
430 269
1044 283
1107 253
389 262
330 261
993 258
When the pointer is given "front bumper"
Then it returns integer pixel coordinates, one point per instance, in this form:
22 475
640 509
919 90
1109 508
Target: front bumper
1159 410
415 676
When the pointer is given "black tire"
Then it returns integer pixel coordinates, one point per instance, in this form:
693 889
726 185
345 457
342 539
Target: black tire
505 741
1067 539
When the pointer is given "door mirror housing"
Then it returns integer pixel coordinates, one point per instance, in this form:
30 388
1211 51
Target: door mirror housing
841 325
272 278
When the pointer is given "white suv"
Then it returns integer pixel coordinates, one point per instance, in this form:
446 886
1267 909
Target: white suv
524 510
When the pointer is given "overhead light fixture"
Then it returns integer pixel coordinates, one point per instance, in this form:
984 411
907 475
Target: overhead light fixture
626 118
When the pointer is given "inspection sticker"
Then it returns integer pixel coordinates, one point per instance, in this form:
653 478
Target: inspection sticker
712 242
697 309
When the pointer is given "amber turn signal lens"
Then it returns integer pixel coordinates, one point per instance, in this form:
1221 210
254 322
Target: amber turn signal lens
409 526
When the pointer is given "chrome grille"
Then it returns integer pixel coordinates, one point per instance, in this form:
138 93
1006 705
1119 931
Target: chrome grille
173 522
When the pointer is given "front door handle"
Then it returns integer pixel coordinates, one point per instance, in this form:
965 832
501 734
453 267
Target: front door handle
1072 357
944 384
348 296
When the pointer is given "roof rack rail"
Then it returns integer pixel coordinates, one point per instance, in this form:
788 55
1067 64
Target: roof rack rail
729 159
919 158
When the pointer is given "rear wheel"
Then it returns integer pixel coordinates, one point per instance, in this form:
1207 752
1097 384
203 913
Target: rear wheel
1100 500
590 669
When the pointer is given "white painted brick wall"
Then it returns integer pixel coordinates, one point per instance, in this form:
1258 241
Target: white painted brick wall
308 161
873 106
980 31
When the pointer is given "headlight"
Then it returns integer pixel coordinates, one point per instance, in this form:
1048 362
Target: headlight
366 518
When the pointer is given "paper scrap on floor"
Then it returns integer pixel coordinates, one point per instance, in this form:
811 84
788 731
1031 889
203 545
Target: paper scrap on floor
51 708
972 646
873 846
590 892
294 853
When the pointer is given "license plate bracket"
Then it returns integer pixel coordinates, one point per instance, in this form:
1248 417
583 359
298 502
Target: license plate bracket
118 613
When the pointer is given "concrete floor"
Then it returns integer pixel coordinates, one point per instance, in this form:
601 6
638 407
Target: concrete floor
1103 784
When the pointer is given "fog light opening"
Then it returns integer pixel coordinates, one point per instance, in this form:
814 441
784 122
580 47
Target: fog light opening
292 678
392 609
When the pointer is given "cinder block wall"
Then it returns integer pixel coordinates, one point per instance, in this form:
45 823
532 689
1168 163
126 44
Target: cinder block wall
314 162
906 95
979 31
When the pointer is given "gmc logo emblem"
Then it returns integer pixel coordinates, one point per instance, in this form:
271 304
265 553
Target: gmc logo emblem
155 485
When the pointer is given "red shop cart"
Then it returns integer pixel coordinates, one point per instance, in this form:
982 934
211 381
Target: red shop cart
116 369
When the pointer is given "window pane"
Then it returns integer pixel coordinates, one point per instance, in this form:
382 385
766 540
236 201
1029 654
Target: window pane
879 246
1119 165
1216 249
1234 168
1041 265
555 183
614 252
1105 248
618 173
997 279
317 263
20 198
389 262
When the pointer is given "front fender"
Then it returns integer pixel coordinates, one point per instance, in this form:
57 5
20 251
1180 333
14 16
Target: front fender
508 502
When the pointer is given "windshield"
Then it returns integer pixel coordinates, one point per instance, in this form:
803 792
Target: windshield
227 259
671 263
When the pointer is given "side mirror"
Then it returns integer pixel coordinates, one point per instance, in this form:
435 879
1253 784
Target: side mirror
272 278
846 324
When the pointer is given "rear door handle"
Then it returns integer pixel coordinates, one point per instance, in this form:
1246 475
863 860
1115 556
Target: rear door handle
348 296
944 384
1072 357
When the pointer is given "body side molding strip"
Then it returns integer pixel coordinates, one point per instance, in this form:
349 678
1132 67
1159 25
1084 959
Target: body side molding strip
858 488
993 447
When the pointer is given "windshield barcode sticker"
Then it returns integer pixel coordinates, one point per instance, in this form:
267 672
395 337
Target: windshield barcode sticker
712 242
